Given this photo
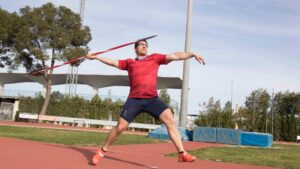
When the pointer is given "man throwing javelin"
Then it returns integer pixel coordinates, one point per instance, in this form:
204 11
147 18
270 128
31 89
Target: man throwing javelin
143 97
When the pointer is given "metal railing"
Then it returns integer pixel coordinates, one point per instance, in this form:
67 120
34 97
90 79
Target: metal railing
81 121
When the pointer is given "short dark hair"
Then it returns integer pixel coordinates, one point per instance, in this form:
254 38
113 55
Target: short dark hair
137 42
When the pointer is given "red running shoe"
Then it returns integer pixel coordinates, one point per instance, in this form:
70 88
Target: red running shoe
98 156
186 157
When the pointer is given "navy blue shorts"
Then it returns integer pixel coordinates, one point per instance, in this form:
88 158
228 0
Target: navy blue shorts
133 107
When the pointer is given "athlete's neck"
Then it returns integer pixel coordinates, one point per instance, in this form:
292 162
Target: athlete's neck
141 56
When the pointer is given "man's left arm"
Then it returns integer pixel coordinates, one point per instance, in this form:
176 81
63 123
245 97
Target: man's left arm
183 56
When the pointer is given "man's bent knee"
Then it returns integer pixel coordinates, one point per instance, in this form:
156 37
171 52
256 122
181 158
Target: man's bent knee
122 125
167 117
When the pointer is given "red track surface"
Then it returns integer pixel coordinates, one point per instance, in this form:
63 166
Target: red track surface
21 154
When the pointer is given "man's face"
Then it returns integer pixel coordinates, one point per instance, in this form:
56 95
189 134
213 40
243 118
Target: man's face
142 48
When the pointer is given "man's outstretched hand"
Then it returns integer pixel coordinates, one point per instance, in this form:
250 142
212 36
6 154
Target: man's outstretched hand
199 59
91 56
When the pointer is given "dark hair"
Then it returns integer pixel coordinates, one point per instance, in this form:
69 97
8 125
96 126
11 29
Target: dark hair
141 40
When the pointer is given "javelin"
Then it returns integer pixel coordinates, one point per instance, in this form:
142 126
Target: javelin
96 53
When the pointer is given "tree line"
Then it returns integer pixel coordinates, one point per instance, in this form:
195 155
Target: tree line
96 108
276 113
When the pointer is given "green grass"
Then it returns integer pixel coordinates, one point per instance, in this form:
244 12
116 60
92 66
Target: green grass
279 155
67 137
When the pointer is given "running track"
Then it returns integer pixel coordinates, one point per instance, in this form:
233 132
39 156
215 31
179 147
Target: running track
21 154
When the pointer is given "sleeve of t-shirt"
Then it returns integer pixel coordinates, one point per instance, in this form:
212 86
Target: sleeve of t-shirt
123 64
161 58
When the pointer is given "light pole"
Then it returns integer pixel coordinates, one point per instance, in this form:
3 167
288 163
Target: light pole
186 70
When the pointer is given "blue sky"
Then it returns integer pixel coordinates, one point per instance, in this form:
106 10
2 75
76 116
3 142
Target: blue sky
253 43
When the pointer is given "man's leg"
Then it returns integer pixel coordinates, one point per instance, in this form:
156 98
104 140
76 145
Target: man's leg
130 110
115 132
111 137
167 118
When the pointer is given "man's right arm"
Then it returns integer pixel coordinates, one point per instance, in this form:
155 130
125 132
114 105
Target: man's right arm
107 61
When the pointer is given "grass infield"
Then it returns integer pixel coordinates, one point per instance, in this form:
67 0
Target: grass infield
68 137
279 155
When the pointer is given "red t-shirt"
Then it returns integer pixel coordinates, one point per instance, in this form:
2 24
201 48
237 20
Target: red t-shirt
143 74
